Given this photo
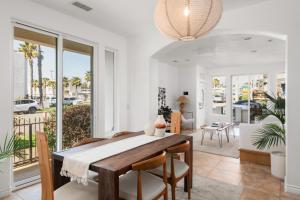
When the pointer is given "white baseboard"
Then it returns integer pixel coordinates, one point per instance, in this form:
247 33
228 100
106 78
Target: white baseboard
4 193
292 188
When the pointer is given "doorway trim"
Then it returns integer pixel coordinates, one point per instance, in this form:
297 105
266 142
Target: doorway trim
59 74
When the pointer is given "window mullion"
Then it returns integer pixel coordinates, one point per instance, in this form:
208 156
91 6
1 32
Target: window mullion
59 102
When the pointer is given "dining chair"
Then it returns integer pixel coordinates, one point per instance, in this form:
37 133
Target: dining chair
69 191
176 168
93 176
123 133
138 184
175 122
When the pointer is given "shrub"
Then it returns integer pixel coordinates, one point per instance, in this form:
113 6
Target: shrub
76 124
50 130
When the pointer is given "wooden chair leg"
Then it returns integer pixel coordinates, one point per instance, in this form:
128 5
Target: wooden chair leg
166 194
189 186
173 191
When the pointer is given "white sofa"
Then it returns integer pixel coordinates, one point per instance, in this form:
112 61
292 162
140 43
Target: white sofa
247 131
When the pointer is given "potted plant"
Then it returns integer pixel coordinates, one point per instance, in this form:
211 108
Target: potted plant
10 147
273 134
166 112
160 126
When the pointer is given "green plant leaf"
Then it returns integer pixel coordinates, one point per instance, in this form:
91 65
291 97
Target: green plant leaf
11 146
268 136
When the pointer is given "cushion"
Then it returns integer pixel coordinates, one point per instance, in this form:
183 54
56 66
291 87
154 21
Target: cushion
75 191
179 166
151 186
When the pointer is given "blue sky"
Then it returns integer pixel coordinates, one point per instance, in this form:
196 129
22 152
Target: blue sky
74 64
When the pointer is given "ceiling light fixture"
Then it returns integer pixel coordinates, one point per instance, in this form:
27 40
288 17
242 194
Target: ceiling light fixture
187 19
253 51
247 38
81 6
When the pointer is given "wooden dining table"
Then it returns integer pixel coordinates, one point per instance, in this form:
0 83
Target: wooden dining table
109 169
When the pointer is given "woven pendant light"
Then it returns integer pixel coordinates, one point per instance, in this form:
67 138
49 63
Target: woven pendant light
187 19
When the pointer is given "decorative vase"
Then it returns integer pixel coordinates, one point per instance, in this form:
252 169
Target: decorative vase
278 164
149 129
160 126
160 132
2 161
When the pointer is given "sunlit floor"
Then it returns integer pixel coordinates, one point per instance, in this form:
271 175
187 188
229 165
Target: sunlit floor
256 181
25 172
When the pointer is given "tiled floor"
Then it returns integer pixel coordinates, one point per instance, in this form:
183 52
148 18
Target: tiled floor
256 180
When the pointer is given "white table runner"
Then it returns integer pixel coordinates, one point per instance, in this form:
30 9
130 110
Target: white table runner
76 165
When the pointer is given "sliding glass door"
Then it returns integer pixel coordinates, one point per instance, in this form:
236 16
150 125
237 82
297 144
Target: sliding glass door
49 95
259 86
240 99
248 97
77 122
34 66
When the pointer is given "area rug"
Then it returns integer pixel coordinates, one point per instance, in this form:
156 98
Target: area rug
230 149
208 189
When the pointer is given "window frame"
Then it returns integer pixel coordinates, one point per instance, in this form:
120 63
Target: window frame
59 72
225 94
250 92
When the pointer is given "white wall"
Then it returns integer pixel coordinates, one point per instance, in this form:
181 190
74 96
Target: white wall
190 79
274 16
176 80
187 82
55 21
140 51
270 69
166 76
201 84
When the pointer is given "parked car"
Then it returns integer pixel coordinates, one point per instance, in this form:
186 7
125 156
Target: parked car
52 101
26 106
72 101
244 103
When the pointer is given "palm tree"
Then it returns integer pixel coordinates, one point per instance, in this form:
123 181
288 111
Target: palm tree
35 85
30 52
66 83
40 74
76 81
52 84
88 77
84 85
271 134
45 82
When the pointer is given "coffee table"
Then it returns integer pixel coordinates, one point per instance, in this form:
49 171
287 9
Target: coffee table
219 131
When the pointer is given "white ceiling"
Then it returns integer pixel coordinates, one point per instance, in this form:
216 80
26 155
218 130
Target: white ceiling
225 51
126 17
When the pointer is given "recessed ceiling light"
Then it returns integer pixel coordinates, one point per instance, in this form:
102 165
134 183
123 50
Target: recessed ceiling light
81 6
253 51
247 38
175 61
270 40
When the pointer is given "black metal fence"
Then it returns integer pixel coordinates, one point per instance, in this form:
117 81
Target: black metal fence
25 128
